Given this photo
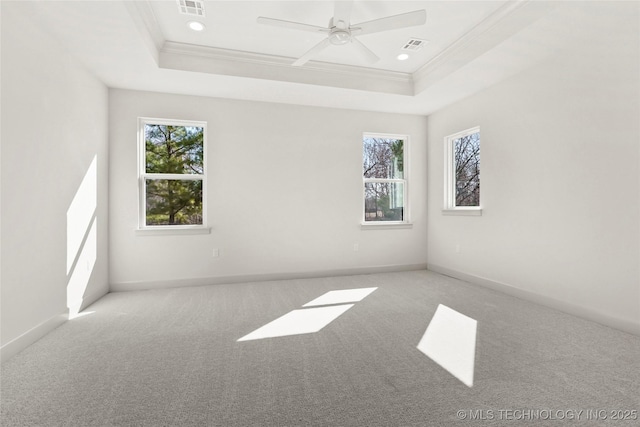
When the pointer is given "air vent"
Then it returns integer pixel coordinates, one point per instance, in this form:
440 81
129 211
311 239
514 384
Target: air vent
414 44
191 7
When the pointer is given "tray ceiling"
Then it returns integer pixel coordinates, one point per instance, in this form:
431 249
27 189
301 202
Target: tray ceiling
147 45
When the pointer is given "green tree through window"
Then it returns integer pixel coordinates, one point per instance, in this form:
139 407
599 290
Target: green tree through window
173 174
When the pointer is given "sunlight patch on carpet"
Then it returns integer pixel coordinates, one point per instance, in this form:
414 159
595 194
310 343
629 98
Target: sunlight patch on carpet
296 322
450 341
341 297
80 314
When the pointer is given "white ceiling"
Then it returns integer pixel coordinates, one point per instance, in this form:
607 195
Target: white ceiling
232 25
146 45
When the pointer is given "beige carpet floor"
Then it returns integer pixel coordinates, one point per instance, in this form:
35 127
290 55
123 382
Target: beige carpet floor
171 358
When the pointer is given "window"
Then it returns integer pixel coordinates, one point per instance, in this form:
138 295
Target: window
385 178
462 168
172 178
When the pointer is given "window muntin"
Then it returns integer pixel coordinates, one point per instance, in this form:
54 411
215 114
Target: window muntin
172 173
384 177
463 170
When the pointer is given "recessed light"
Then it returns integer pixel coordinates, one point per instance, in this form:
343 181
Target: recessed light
402 57
195 25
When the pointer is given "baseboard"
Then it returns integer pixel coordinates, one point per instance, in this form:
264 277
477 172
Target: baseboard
246 278
566 307
89 298
18 344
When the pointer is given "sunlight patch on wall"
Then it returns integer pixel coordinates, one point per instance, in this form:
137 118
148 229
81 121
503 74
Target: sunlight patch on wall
450 341
341 297
80 212
82 272
82 238
303 321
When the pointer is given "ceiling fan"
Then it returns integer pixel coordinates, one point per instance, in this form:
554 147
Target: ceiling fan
340 31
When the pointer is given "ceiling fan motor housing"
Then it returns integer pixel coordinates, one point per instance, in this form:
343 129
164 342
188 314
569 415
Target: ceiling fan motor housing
339 37
340 32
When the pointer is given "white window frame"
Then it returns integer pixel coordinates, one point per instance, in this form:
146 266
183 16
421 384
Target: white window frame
143 228
450 207
377 225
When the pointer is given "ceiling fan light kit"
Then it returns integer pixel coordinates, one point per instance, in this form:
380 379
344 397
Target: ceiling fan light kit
340 32
340 37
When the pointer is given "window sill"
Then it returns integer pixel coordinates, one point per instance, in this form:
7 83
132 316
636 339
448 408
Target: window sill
384 225
463 211
172 231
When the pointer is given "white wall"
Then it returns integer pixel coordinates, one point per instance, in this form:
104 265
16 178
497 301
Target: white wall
285 193
54 123
559 177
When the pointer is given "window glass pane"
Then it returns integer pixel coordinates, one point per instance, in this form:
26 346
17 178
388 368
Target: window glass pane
383 158
383 201
174 202
467 169
174 149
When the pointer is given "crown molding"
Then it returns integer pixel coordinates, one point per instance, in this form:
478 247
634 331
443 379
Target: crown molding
252 58
188 57
504 22
145 20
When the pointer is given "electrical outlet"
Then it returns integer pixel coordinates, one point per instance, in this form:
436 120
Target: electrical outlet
356 247
458 248
216 253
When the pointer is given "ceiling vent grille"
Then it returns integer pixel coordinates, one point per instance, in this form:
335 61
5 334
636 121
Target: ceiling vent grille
191 7
414 44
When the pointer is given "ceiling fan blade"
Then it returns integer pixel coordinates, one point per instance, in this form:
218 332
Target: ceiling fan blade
291 25
409 19
312 52
366 52
342 12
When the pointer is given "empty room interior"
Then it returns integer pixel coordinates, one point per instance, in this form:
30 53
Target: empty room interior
349 213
